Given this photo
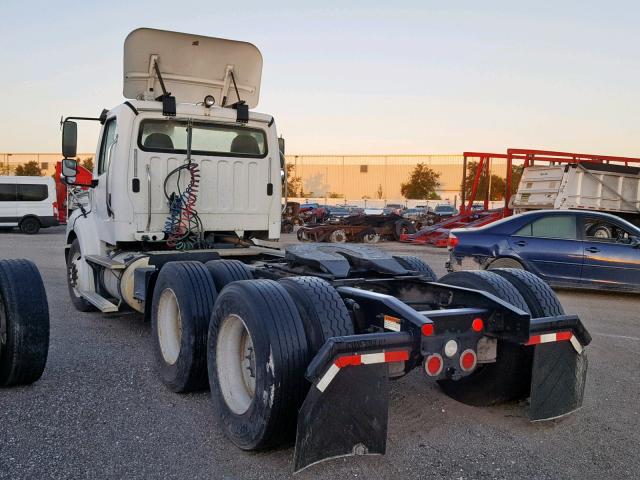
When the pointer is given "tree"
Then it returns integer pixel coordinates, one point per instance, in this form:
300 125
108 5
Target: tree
334 195
88 163
379 192
498 183
422 183
29 169
294 184
434 196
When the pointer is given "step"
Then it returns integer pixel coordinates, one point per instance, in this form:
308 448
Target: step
105 262
101 303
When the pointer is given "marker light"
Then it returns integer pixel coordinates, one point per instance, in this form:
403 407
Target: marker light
477 324
427 329
209 101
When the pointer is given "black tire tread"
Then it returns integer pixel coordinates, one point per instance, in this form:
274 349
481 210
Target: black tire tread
321 308
224 272
411 262
280 324
193 279
540 298
24 301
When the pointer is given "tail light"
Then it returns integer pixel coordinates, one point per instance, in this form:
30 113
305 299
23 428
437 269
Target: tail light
468 360
433 365
452 241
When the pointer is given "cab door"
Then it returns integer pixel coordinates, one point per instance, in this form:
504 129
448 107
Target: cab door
101 193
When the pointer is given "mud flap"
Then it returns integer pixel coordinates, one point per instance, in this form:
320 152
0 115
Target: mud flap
557 381
348 418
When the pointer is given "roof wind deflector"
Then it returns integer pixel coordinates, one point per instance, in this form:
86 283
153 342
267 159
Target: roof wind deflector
192 67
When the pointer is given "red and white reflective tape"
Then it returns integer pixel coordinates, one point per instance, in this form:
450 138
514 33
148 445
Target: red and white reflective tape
356 360
556 337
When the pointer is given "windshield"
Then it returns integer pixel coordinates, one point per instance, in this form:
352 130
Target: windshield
207 138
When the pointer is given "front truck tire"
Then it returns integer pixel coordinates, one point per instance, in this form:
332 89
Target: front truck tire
24 323
183 299
509 378
257 355
74 265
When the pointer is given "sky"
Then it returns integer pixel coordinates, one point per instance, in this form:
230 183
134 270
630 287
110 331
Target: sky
353 77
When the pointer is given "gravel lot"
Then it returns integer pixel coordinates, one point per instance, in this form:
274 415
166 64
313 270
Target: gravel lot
100 412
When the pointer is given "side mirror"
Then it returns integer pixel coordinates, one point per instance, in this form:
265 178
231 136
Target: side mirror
634 241
281 145
69 170
69 139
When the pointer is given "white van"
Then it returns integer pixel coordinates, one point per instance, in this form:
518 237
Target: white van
28 203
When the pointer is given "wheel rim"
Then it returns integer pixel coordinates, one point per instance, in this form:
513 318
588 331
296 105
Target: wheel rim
339 236
236 364
169 326
29 226
371 238
74 273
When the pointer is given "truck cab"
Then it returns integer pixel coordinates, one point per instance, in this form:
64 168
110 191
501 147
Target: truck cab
188 100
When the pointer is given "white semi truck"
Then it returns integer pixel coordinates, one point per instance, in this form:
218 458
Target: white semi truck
298 342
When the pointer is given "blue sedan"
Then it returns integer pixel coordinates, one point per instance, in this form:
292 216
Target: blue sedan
567 248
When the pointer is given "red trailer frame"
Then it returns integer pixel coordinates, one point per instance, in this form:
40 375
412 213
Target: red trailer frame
438 234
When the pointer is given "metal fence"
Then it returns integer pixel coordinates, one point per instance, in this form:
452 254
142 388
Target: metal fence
347 178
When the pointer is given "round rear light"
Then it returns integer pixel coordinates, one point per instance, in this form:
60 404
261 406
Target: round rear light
450 348
468 360
427 329
477 325
433 365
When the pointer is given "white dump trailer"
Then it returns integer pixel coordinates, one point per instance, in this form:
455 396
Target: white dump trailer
603 187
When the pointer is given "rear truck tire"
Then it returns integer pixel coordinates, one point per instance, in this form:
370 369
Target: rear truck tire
24 323
183 299
509 378
74 266
224 272
369 236
30 225
338 236
302 235
414 263
541 299
505 263
287 227
403 227
257 356
323 313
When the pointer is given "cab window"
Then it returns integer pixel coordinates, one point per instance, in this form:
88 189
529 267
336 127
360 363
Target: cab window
108 138
556 226
207 139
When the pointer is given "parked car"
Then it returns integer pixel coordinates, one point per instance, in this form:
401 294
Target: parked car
564 247
28 202
444 210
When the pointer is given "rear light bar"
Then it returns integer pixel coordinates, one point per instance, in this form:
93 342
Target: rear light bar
452 241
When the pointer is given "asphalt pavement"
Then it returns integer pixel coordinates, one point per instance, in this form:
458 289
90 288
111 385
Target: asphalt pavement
100 411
